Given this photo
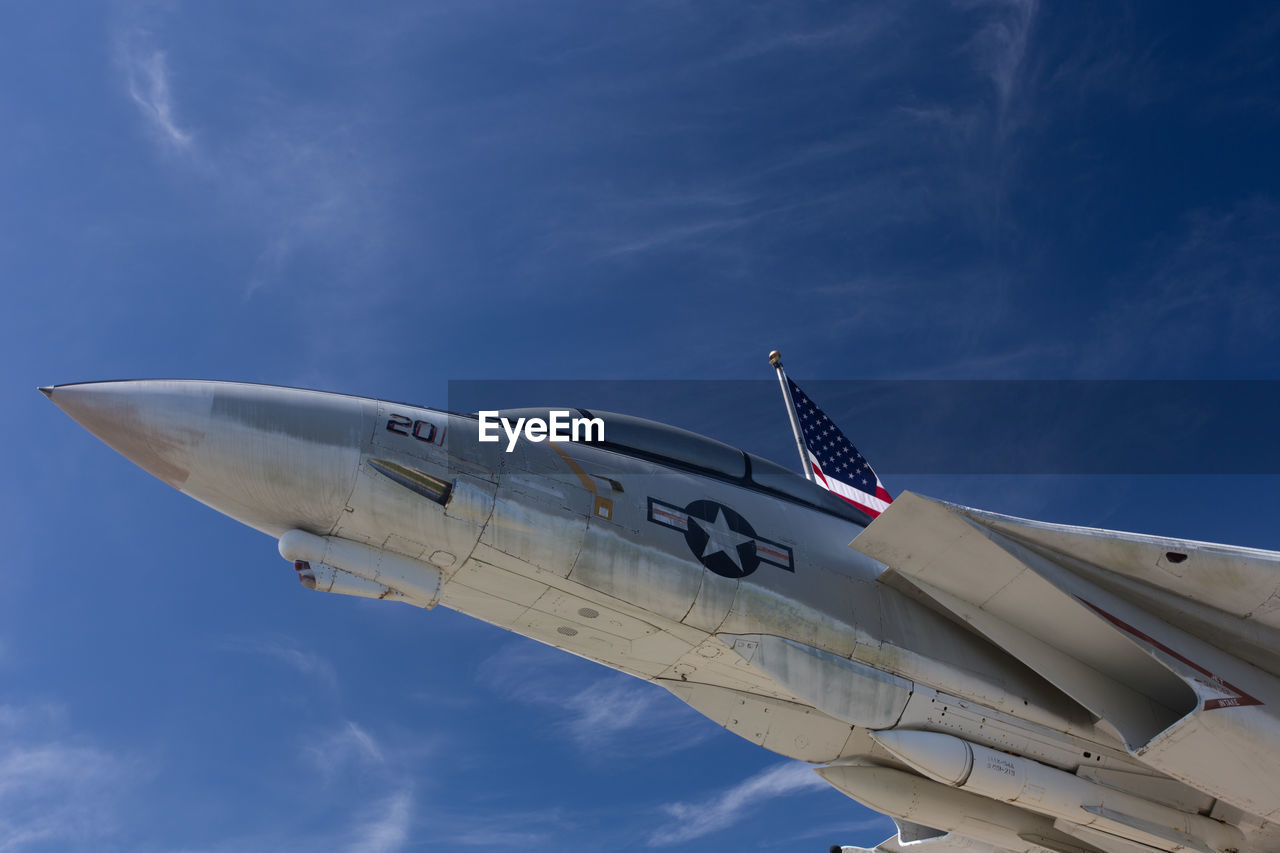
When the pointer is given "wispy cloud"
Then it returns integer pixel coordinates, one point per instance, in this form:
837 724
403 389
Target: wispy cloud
1000 45
606 715
859 25
387 828
898 152
39 715
502 839
147 72
690 820
53 789
674 235
359 794
284 651
347 745
1195 296
294 170
351 750
148 80
507 829
608 709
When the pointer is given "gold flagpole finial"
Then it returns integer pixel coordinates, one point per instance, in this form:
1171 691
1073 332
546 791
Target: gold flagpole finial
775 358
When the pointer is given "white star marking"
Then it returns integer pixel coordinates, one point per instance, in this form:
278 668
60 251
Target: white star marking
720 538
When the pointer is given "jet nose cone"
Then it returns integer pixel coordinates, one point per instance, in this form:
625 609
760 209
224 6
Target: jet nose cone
273 458
154 424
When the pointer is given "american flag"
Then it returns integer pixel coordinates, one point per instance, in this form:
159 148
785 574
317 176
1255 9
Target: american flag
837 465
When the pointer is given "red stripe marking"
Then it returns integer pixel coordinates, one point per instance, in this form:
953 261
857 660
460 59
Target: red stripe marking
874 513
1239 700
680 521
770 552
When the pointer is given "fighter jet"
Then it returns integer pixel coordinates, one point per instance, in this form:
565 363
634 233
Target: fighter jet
991 683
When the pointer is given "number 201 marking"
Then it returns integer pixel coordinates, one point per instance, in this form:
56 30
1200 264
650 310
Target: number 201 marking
421 430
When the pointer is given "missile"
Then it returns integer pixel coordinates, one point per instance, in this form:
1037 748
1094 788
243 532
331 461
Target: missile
909 799
1048 791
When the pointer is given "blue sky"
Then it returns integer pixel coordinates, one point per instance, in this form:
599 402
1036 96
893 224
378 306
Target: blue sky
378 200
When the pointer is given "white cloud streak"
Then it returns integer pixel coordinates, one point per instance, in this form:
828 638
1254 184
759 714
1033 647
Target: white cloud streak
361 800
388 829
305 662
690 820
1206 290
55 791
1001 44
506 829
508 839
606 710
609 715
147 74
296 172
349 745
859 26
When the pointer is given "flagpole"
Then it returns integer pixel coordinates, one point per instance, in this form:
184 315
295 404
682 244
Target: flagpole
775 358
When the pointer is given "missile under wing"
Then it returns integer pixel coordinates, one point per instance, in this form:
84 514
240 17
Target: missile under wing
993 684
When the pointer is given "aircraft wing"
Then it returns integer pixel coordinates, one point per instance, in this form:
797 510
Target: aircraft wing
1171 644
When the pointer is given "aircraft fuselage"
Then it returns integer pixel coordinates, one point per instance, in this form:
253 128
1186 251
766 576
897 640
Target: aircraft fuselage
719 576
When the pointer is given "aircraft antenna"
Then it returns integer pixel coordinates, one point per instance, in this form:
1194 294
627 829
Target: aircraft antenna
775 358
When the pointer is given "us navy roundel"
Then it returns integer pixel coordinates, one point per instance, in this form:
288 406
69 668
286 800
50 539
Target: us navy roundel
720 538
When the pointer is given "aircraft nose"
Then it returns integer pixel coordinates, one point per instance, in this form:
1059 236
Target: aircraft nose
274 458
153 424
